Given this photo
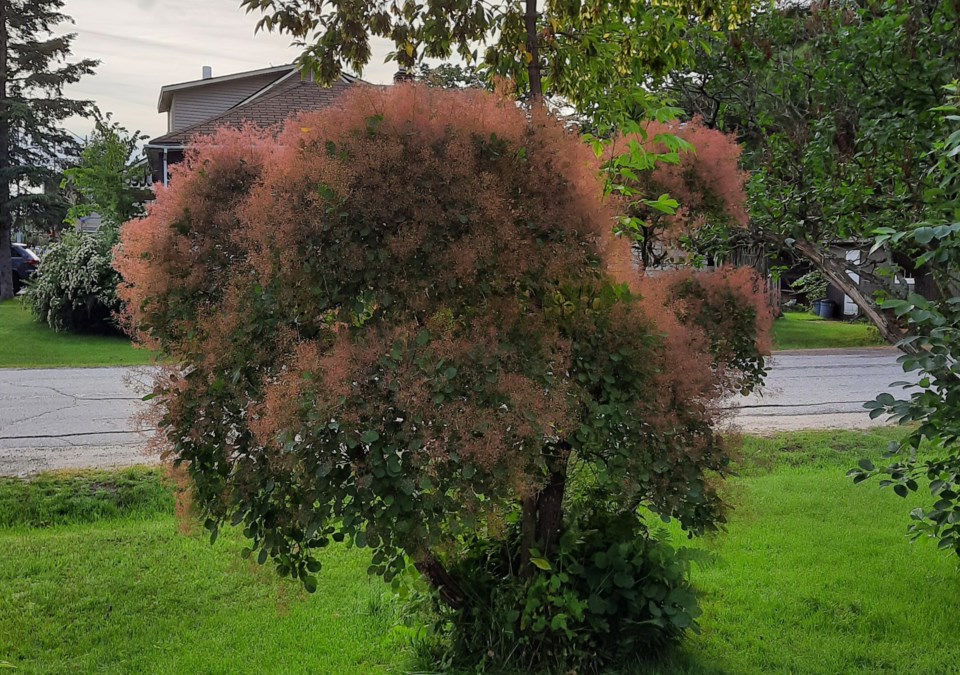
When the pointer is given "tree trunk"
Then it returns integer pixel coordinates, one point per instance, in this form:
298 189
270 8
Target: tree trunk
533 47
441 579
6 220
550 501
541 515
836 272
528 533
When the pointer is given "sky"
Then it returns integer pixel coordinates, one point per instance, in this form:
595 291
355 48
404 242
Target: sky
145 44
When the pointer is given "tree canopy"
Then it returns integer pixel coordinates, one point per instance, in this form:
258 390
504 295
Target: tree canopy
407 322
105 179
834 104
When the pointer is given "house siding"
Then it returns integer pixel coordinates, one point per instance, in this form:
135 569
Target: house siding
191 106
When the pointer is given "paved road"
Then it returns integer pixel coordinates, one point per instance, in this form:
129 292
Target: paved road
72 418
822 389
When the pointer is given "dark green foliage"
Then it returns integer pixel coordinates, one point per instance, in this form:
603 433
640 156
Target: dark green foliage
614 592
934 327
34 68
75 288
834 104
54 499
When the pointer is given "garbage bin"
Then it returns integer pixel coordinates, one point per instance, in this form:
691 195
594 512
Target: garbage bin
826 309
816 307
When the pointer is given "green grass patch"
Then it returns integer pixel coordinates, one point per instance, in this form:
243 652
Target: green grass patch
26 343
82 497
801 330
128 596
813 575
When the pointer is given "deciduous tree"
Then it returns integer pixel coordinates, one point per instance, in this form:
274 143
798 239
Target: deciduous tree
928 459
834 104
407 322
106 181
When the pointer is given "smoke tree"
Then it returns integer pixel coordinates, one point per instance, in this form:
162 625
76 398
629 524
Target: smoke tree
701 188
406 322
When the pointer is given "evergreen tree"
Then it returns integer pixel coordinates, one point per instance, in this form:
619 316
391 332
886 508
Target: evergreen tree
33 72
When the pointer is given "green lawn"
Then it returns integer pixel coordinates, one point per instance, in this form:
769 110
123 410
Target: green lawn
25 343
802 330
133 594
814 575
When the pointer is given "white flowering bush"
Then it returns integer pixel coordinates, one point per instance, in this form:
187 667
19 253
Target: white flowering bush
75 288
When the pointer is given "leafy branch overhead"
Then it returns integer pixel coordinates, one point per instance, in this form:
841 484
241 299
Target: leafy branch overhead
928 460
602 58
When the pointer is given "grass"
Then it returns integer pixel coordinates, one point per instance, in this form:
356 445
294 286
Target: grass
814 575
129 592
83 497
25 343
801 330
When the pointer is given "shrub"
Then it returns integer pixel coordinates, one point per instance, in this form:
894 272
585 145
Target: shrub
75 287
407 321
613 592
812 286
698 168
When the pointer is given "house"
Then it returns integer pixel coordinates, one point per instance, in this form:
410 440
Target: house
90 224
263 97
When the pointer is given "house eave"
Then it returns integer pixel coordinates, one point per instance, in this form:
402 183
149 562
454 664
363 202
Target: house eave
166 91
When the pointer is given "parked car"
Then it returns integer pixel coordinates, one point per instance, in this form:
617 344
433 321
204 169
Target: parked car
25 263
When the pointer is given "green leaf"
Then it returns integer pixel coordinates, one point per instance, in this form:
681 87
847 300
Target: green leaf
310 584
597 604
923 235
370 436
541 563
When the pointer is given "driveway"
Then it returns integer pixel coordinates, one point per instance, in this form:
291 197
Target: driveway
85 417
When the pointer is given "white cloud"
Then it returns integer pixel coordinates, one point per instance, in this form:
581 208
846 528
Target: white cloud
145 44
